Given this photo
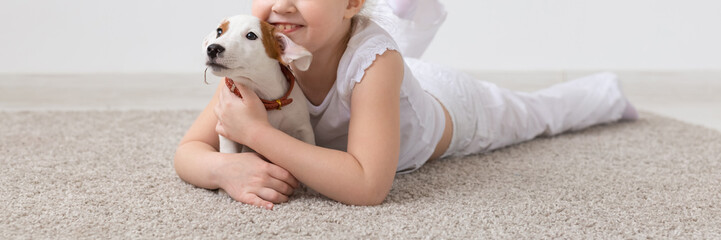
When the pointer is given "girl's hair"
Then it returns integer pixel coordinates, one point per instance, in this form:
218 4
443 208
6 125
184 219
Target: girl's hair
373 10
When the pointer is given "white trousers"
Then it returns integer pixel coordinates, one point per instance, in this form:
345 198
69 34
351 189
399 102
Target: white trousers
487 117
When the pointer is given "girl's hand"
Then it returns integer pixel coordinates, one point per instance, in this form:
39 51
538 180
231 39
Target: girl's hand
237 116
249 179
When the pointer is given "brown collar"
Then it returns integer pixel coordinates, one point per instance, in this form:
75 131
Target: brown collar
275 104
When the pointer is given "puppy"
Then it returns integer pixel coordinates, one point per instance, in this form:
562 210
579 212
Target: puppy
248 51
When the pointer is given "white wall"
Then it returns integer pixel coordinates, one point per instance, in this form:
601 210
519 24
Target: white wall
581 34
49 36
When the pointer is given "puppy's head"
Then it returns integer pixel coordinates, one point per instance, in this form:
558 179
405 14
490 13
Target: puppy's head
243 44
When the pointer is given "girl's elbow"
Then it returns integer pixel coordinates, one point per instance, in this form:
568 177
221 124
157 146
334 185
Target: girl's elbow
373 196
377 190
178 166
367 200
375 201
176 160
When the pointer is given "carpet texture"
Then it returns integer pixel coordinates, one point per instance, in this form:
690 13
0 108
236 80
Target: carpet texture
100 174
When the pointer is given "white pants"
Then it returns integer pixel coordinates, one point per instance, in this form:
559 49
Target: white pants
486 117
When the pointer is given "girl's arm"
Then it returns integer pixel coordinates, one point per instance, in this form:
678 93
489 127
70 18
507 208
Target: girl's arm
245 177
361 176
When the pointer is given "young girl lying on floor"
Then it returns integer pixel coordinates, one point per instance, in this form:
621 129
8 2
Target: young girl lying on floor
374 112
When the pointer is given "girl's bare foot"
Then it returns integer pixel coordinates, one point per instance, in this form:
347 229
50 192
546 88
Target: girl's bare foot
630 114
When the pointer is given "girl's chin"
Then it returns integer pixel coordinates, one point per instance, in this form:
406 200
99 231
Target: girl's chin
297 39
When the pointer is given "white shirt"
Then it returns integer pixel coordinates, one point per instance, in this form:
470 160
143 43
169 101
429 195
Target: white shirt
421 117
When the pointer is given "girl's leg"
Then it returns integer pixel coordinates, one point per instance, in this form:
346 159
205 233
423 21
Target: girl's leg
403 8
487 117
420 20
515 117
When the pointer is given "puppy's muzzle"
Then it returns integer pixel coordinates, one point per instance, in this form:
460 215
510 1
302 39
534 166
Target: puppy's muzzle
214 50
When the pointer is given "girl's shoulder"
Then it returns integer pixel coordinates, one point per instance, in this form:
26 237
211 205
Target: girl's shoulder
368 41
368 33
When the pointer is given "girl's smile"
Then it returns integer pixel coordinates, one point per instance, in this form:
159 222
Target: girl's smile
317 25
287 28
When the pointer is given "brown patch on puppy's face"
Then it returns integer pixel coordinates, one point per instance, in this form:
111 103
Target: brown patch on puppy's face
223 28
272 47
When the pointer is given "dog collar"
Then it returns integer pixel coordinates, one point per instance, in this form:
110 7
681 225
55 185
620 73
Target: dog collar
274 104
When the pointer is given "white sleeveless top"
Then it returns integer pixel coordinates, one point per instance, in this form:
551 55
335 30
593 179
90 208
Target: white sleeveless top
421 117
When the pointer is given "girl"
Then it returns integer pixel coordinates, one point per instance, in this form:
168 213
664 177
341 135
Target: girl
374 113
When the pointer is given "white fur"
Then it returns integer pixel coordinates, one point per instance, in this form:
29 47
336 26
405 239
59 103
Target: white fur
248 63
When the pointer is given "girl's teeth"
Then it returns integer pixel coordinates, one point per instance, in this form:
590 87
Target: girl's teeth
284 27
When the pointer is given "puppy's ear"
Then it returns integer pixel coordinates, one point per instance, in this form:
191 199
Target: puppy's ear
293 53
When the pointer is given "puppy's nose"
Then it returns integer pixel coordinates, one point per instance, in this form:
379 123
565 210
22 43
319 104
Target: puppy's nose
214 50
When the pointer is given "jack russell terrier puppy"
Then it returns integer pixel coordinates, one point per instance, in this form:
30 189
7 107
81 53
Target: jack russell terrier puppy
245 50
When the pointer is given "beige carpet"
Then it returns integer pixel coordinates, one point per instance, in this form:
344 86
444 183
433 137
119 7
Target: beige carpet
109 174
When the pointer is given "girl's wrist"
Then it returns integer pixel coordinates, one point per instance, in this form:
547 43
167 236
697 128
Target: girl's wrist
256 133
218 165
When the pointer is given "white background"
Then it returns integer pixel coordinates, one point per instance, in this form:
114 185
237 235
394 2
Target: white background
138 36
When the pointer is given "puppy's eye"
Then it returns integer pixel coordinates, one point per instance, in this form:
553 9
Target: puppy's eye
251 36
220 32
